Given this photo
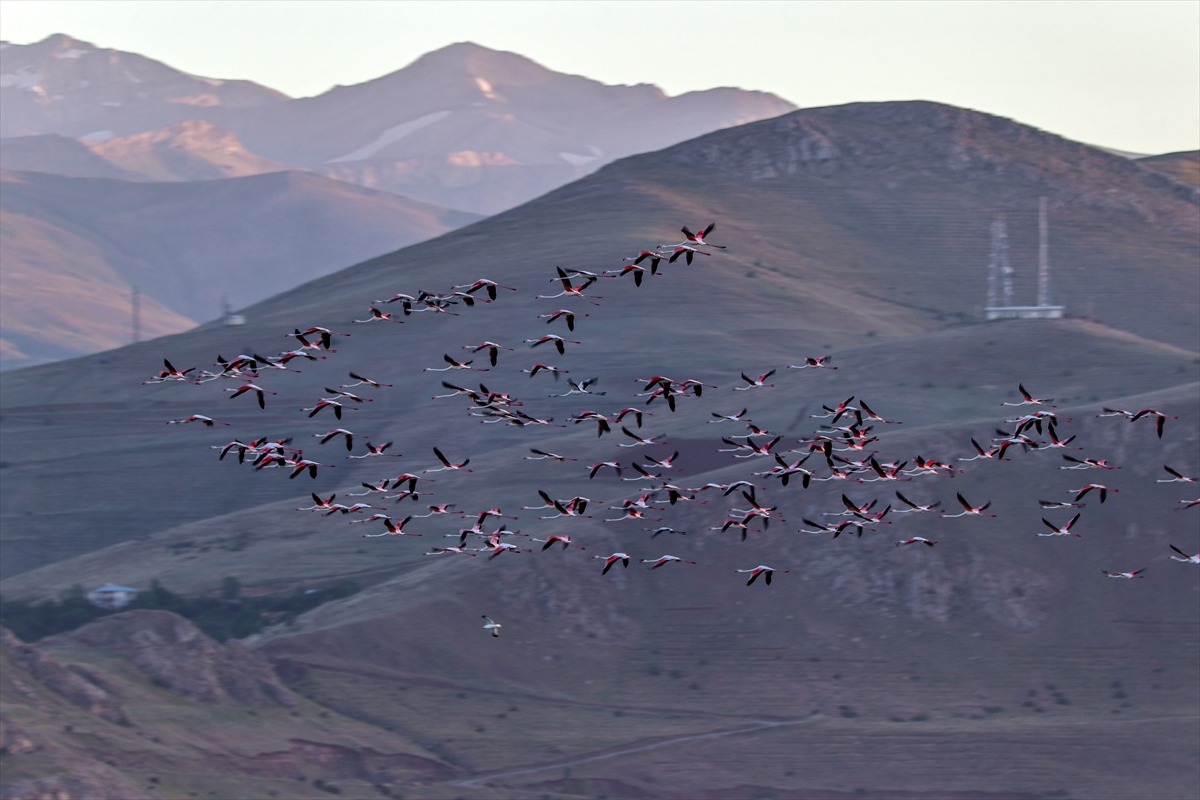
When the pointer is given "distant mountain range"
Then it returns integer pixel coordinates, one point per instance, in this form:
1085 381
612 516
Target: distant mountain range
464 127
74 248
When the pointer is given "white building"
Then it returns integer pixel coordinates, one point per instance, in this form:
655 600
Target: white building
111 596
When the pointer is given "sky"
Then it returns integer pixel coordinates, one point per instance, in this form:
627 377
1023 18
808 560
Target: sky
1124 75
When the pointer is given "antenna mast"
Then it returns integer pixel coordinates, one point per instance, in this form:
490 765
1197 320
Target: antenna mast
1043 297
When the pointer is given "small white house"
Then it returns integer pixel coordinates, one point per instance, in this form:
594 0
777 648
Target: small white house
111 596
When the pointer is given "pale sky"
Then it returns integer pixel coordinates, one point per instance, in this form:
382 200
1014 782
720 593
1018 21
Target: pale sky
1124 75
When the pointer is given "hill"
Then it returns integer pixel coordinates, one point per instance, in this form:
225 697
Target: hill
59 155
75 247
186 151
1006 662
1183 167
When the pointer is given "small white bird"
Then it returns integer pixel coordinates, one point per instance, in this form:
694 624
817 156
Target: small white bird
490 624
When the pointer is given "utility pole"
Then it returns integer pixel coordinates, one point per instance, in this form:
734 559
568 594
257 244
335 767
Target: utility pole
136 302
1043 298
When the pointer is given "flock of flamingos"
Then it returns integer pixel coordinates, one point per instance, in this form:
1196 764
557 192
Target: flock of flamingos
839 451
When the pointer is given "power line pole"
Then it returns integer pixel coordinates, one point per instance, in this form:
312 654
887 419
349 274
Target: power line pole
1043 298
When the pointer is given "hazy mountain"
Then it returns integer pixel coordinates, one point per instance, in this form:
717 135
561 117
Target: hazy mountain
464 127
73 88
1007 661
60 155
186 151
75 247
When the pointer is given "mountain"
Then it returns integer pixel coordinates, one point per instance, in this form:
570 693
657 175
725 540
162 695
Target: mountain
1183 167
74 248
996 664
60 155
73 88
463 127
186 151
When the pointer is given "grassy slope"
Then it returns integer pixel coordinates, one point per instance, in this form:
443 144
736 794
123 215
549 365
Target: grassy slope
578 649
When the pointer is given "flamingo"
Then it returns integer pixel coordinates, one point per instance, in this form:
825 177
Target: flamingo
969 510
320 505
1126 575
326 402
410 479
559 342
658 562
555 371
361 381
377 450
594 468
372 488
1082 491
354 509
505 547
580 387
208 421
1185 503
634 513
250 387
1160 418
916 507
1175 477
380 316
562 538
325 437
302 464
916 540
655 257
542 455
349 395
891 474
821 362
728 417
488 623
766 572
638 273
1028 399
492 348
1053 504
455 365
393 529
564 314
324 333
571 291
437 551
483 283
638 440
1060 530
687 252
447 465
1116 412
1088 463
750 449
698 238
756 383
1055 442
169 373
1184 557
613 559
439 510
663 529
372 518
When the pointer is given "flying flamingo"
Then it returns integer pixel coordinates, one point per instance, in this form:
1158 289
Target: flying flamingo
728 417
393 529
1127 575
447 465
580 387
380 316
326 402
1159 417
1175 477
250 387
571 291
208 421
1082 491
562 538
559 342
455 365
969 510
320 505
1060 530
599 464
492 348
916 507
555 371
698 238
363 382
916 540
483 283
755 383
612 559
1088 463
542 455
1184 557
325 437
658 562
766 572
1028 399
437 551
491 625
638 440
377 450
1053 504
821 362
